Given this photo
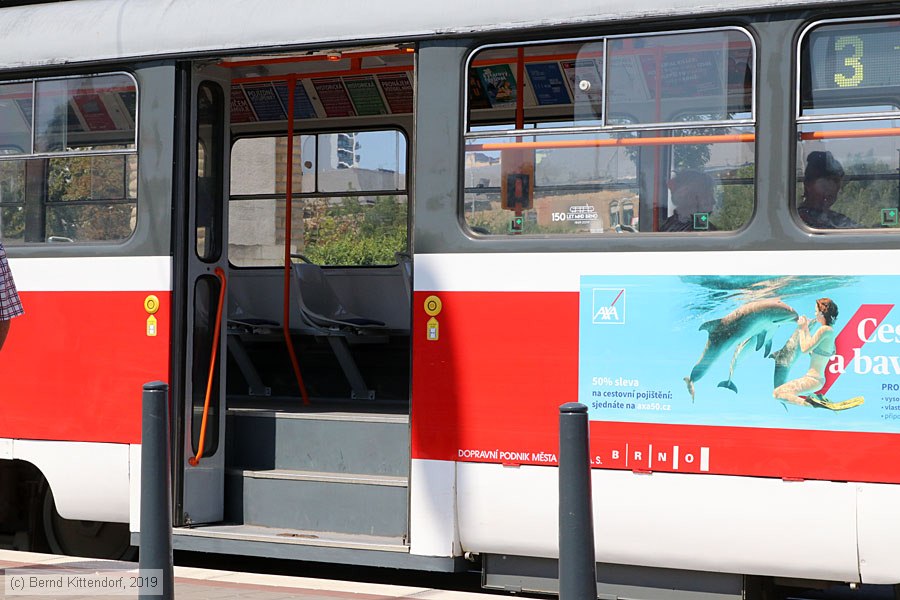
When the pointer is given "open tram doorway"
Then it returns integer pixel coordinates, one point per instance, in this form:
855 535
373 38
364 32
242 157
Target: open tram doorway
306 367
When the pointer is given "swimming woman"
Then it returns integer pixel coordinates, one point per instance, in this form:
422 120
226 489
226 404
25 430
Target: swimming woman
820 347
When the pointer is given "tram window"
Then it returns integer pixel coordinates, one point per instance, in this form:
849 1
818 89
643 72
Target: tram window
564 85
350 205
657 78
208 200
601 129
85 113
91 198
15 118
361 161
590 183
73 178
12 201
848 149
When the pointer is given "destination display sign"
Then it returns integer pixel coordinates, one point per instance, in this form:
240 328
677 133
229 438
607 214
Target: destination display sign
843 57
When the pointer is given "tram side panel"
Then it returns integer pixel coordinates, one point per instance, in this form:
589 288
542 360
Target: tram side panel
725 481
97 296
72 372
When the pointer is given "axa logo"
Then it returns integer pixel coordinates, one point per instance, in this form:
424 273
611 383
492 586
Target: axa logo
608 306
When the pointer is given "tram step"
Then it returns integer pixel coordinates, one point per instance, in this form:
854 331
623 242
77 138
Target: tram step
295 544
318 440
345 503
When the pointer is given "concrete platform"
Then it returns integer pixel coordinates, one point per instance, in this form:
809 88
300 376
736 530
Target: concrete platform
203 584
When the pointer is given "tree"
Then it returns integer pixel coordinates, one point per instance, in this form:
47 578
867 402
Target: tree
355 232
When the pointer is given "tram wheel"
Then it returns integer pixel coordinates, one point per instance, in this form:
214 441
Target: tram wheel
90 539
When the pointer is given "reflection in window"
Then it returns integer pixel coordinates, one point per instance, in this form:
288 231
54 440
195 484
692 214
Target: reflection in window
15 118
12 201
74 178
208 191
654 79
627 176
847 182
91 198
85 113
87 198
613 214
628 214
525 102
350 205
847 168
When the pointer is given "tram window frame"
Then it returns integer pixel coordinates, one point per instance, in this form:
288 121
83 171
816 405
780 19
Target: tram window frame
302 193
738 115
818 128
37 203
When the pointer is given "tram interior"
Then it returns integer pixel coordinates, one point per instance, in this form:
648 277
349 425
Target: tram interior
349 316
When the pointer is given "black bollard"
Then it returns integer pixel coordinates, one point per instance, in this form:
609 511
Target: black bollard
577 567
156 493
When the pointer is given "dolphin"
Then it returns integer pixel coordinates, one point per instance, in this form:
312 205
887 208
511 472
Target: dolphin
738 354
785 359
753 320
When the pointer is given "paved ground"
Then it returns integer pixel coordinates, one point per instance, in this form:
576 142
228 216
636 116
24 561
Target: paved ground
68 578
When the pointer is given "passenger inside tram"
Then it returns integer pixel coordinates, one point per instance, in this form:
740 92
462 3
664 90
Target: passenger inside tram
694 200
822 182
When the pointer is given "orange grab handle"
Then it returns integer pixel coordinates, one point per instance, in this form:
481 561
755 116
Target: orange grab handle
195 460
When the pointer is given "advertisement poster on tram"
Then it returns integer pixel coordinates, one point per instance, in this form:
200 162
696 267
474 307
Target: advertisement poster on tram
499 84
742 351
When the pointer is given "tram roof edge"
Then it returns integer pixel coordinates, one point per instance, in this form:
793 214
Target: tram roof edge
78 31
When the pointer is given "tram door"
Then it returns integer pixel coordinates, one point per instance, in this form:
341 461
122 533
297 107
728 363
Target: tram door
203 443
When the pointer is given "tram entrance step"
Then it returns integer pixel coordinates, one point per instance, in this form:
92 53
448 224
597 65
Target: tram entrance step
328 467
317 501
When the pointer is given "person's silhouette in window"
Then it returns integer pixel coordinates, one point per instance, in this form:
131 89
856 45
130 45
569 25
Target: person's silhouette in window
822 182
694 200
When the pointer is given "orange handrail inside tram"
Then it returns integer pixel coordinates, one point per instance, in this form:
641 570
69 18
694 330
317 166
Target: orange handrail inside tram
682 140
838 134
288 216
628 141
195 460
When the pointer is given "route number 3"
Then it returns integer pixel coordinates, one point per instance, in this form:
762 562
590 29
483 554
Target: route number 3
853 61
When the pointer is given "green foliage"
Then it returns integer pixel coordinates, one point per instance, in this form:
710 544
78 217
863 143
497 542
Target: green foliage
355 233
863 199
12 200
82 179
737 202
690 156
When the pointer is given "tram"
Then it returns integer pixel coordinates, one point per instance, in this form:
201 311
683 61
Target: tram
371 251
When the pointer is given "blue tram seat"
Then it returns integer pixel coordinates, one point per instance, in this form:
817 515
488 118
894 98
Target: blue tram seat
320 306
326 315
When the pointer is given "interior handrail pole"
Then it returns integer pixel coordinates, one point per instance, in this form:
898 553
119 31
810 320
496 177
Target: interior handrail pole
288 201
